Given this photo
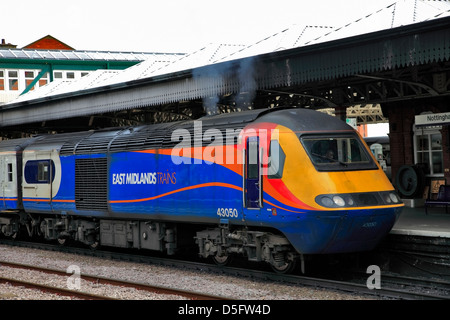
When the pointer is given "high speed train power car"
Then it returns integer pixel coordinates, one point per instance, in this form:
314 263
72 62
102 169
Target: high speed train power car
272 185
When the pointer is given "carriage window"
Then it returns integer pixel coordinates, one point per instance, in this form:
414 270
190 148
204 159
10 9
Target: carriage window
276 160
338 153
10 172
43 171
39 171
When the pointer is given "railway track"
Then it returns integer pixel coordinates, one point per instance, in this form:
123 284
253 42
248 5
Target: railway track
55 290
385 292
98 281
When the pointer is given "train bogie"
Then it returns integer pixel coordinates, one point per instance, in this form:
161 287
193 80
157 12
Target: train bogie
257 246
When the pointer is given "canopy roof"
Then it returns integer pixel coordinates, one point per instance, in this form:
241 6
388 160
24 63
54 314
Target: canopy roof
295 61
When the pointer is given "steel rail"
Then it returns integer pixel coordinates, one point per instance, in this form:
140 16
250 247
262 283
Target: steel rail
54 290
343 286
115 282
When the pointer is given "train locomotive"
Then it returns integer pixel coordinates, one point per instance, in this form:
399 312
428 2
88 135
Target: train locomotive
272 185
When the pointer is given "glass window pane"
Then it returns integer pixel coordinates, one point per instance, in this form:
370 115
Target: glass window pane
71 55
13 84
426 159
252 160
436 142
83 56
422 157
437 162
277 158
10 172
337 153
34 55
21 54
27 83
58 55
422 143
12 74
8 54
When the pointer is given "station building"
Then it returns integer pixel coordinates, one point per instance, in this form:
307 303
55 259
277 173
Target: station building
49 59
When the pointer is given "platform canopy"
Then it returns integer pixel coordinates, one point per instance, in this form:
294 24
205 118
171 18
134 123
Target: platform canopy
378 58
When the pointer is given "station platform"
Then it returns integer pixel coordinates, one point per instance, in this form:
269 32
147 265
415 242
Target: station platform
414 222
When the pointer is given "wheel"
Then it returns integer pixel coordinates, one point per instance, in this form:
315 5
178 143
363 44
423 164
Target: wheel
287 267
222 260
95 245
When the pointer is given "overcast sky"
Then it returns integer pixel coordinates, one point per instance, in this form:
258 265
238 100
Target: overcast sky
168 25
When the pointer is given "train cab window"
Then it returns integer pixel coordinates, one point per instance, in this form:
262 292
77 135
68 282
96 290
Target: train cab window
338 153
276 160
252 160
39 171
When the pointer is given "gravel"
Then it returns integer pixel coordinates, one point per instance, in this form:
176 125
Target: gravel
221 285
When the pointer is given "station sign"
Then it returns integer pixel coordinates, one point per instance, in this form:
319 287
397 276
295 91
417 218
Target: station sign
432 119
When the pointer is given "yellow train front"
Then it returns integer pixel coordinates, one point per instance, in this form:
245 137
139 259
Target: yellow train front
323 189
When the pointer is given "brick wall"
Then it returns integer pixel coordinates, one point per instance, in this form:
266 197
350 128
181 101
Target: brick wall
401 120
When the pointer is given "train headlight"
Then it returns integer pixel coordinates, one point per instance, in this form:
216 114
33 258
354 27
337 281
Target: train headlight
327 202
335 201
338 201
349 200
394 197
363 199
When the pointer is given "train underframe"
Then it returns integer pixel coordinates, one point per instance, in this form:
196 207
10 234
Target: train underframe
219 243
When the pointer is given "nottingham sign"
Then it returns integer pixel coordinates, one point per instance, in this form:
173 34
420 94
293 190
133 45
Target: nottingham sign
433 119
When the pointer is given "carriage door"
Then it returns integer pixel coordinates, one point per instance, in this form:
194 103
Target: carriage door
39 174
252 175
8 182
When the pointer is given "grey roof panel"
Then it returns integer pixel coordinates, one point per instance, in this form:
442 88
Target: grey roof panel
78 55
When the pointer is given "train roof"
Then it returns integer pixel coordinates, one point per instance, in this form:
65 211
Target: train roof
15 145
157 136
380 140
305 120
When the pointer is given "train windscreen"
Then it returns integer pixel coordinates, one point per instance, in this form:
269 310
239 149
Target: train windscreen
337 153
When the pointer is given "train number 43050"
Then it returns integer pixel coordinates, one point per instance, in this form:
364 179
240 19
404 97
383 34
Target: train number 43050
227 212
